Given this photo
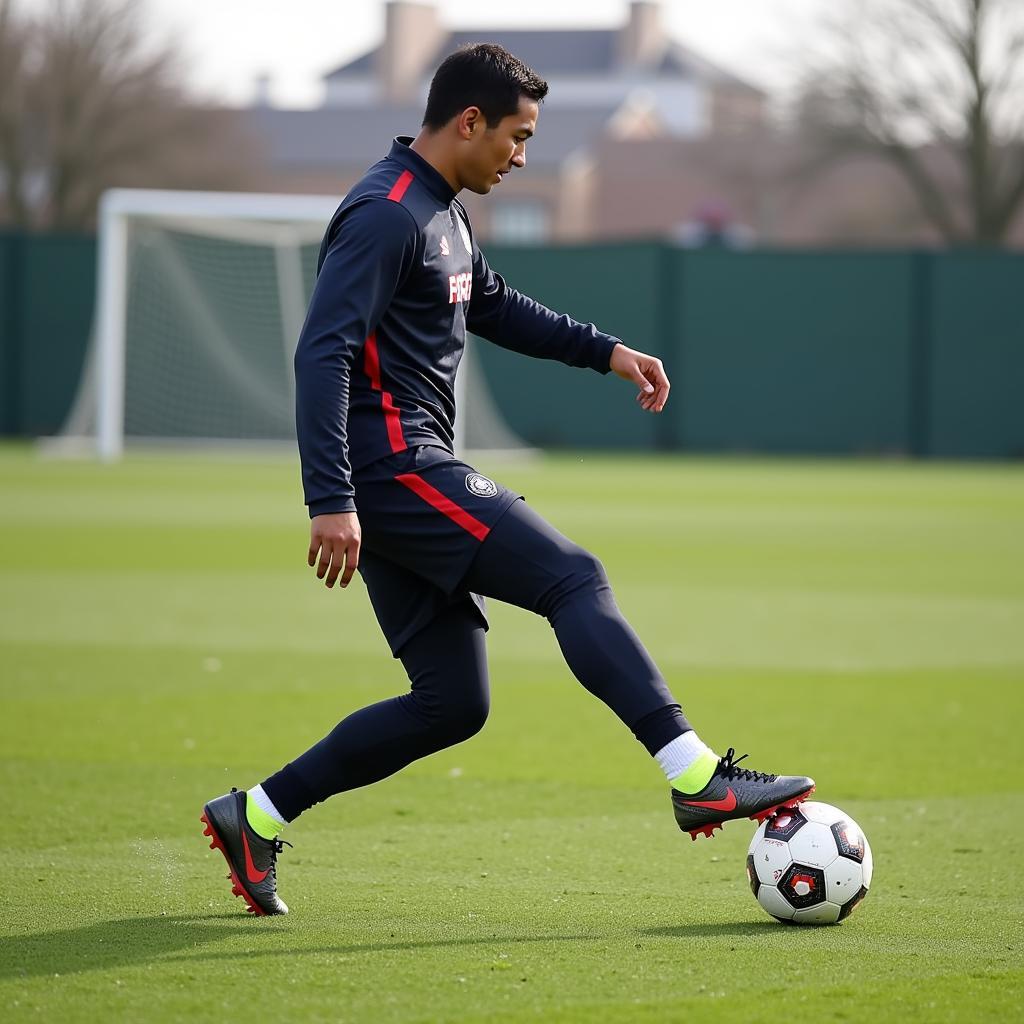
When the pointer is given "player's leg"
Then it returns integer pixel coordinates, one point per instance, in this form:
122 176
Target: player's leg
526 562
447 703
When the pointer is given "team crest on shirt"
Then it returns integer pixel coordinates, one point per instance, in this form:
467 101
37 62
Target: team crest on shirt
481 486
445 251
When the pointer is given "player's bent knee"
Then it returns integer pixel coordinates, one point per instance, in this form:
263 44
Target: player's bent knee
579 571
468 719
584 566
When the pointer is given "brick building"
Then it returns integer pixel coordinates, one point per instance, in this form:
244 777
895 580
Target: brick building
628 83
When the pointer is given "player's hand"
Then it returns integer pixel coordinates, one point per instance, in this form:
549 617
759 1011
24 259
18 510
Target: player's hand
336 539
646 372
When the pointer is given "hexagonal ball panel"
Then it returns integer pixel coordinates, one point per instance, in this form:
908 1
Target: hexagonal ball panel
849 839
784 825
824 913
843 880
814 845
803 886
771 900
770 859
850 906
815 810
755 882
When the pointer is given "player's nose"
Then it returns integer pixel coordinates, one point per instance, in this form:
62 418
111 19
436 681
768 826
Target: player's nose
519 159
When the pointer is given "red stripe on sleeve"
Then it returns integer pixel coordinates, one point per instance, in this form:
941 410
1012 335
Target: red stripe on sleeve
392 414
371 361
399 187
432 496
393 421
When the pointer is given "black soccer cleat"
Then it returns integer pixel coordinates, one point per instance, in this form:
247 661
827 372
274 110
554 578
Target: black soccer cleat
737 793
251 858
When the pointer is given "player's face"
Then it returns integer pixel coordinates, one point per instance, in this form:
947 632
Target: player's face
494 152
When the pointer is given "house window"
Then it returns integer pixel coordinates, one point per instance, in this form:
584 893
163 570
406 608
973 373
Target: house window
520 221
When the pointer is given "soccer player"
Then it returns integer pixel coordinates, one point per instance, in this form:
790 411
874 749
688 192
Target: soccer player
400 281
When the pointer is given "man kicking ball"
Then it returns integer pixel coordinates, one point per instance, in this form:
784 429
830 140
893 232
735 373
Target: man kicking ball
400 281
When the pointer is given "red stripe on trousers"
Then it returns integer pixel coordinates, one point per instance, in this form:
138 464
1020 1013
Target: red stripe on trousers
399 187
392 416
432 496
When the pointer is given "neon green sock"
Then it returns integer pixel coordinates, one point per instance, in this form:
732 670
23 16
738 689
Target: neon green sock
698 775
259 821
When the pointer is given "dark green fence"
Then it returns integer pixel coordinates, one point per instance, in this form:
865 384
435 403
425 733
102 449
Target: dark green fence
783 351
789 351
619 288
797 352
47 291
974 362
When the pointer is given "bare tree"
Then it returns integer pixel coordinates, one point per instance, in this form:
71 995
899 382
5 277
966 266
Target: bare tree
936 87
86 104
13 126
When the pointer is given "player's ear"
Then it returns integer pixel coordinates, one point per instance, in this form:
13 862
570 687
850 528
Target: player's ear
470 122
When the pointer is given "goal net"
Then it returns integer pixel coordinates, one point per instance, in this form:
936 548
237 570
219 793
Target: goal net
200 301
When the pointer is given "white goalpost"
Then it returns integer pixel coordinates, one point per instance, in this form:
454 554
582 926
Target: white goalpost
200 298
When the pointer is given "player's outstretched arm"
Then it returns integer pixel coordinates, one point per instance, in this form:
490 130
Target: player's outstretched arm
514 321
646 372
336 538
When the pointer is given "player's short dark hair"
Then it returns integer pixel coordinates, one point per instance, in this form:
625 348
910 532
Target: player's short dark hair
483 75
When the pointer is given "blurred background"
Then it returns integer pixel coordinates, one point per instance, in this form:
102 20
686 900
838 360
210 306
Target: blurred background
814 213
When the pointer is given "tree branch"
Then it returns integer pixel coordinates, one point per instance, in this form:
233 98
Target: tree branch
913 79
86 102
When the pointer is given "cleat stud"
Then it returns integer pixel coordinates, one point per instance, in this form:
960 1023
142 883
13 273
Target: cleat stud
705 830
213 846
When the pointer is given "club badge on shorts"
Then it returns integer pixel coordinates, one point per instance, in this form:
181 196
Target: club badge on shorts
481 486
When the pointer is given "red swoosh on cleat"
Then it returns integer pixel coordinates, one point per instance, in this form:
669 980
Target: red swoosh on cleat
251 873
727 803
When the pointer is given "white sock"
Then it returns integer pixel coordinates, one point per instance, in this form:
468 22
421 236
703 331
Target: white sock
678 755
266 805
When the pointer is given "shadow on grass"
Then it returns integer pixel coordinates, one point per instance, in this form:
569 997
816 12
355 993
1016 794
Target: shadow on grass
706 930
94 947
141 940
379 947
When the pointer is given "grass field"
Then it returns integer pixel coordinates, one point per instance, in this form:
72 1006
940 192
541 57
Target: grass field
161 640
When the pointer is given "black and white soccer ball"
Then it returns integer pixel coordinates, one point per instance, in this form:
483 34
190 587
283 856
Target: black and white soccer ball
809 865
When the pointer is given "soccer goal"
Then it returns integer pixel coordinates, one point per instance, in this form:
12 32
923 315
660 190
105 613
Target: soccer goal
200 300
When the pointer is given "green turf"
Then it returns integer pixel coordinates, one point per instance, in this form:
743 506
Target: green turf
162 640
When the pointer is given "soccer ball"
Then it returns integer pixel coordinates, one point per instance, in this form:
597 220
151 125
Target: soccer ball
809 865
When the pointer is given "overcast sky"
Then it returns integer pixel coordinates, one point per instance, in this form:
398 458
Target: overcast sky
230 42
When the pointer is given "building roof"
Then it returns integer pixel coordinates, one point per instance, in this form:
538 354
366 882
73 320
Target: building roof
684 61
562 52
357 137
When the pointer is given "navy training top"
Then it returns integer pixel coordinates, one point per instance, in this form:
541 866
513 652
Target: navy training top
400 280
